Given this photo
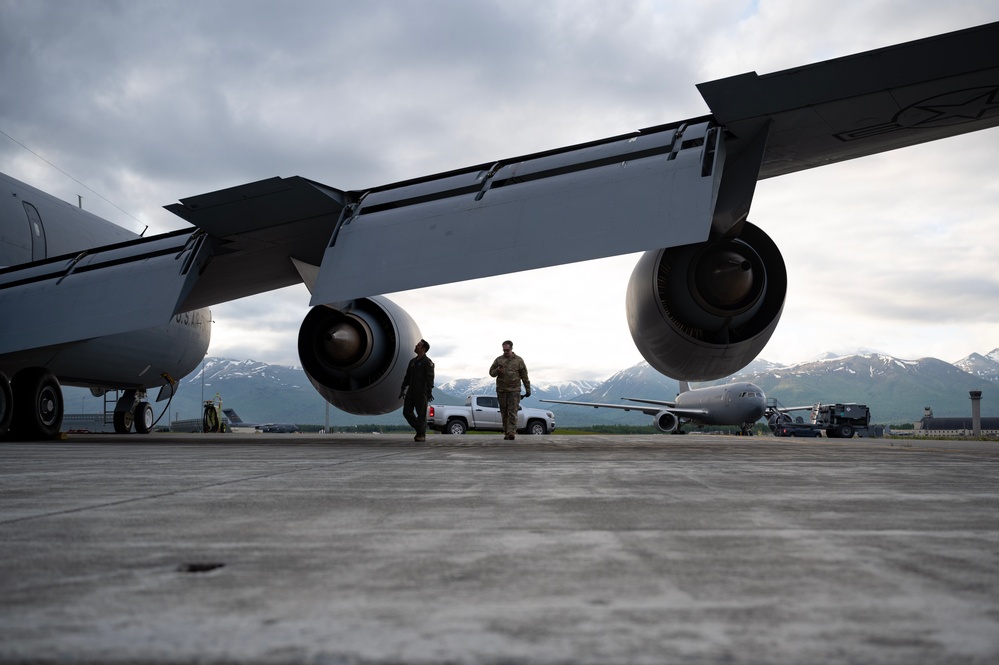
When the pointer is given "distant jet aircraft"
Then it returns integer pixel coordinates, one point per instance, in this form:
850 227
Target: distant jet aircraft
739 404
237 424
82 303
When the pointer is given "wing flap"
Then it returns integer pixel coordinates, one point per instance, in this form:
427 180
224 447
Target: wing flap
627 195
257 229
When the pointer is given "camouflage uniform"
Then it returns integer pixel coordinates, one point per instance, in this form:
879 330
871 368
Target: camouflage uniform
508 388
420 381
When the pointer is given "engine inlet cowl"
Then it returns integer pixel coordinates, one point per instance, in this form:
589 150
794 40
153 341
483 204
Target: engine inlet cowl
356 353
702 312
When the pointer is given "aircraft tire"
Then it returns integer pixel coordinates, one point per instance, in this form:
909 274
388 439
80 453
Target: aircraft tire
6 404
123 422
143 418
38 403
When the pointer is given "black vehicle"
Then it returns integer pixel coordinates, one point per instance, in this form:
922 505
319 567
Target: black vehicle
792 429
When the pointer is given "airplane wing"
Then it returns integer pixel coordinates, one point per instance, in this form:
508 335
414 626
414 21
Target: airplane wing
654 407
670 406
651 401
78 288
647 410
864 104
673 184
662 186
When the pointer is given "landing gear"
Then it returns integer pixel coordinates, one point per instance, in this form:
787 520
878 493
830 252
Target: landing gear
31 407
131 410
123 417
37 402
143 418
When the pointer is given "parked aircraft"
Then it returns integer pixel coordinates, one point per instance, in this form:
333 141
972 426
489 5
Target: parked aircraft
236 423
739 404
702 302
53 299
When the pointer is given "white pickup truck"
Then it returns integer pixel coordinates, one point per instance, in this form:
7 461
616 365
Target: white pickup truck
482 412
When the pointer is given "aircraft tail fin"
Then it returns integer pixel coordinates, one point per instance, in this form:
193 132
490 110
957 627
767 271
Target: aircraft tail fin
684 386
233 416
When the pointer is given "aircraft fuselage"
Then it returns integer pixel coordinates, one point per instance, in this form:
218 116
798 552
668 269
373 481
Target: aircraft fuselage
733 403
37 228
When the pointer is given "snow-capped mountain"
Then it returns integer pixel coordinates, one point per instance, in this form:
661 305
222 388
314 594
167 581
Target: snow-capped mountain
986 367
561 390
225 368
896 390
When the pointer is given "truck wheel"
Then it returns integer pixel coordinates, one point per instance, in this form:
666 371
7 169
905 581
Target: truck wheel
845 432
455 427
536 427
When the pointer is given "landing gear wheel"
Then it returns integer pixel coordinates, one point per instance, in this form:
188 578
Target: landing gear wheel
124 412
6 404
143 418
123 421
38 404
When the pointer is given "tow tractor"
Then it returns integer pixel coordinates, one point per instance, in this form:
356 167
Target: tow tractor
841 420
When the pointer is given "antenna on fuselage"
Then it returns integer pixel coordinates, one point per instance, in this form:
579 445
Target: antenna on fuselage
79 196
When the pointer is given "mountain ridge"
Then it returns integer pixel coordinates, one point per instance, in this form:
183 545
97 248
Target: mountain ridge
897 390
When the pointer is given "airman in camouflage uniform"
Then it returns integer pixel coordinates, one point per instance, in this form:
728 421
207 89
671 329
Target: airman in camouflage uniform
510 371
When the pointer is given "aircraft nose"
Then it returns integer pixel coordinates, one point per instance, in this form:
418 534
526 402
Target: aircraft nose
759 409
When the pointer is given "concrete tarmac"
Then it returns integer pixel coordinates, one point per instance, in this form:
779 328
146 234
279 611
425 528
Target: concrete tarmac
368 548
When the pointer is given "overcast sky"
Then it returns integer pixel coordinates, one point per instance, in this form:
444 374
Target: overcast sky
134 105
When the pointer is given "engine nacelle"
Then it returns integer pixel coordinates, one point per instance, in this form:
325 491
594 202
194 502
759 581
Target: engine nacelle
666 422
702 312
356 353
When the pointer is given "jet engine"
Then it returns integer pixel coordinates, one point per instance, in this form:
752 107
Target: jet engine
702 312
666 422
356 353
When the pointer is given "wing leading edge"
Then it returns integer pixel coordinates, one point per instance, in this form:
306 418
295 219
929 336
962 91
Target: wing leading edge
864 104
